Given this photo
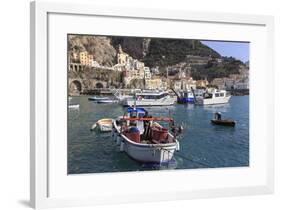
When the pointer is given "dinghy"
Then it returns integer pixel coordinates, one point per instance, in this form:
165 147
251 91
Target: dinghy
224 122
103 125
218 121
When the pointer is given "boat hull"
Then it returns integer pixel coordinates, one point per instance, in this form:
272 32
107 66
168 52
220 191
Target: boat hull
148 102
149 153
146 153
105 128
104 125
224 122
185 100
211 101
107 101
97 98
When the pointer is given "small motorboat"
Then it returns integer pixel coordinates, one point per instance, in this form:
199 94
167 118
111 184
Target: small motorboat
73 106
95 98
103 125
107 101
218 121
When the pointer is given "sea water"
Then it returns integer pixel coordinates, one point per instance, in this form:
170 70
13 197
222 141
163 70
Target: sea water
202 144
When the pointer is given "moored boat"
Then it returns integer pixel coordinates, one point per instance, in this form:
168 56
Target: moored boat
219 121
95 98
108 101
213 97
225 122
103 125
150 98
185 97
142 138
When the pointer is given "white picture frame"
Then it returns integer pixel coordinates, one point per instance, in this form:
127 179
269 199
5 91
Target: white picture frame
41 164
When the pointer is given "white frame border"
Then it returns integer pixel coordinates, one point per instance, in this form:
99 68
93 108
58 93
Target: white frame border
39 97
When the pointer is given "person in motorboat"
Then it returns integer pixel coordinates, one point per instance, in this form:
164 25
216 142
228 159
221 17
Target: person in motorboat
218 115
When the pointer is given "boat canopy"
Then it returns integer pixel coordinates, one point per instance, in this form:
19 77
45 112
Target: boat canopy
136 110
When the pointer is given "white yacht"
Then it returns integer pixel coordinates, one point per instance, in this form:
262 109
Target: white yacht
150 98
213 97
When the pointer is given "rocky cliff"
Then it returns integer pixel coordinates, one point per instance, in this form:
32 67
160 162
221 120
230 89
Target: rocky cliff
198 60
99 46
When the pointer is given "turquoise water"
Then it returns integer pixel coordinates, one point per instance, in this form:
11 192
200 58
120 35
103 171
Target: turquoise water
202 145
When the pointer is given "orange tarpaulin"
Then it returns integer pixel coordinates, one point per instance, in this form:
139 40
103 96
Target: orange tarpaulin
149 118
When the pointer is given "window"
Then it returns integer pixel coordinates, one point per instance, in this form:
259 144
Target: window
217 95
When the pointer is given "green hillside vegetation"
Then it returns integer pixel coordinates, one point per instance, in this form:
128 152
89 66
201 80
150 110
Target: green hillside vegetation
213 69
167 52
156 52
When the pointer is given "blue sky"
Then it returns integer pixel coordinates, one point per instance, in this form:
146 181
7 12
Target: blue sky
238 50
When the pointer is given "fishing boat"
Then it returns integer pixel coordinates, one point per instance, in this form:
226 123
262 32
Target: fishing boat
185 97
103 125
218 121
142 138
150 98
213 97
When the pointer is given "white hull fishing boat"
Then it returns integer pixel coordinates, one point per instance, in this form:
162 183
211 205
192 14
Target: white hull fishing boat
143 139
150 99
103 125
214 97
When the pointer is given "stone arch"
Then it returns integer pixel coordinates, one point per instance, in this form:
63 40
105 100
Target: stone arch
99 85
75 87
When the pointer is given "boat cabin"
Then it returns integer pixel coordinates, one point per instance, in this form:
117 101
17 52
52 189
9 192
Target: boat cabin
215 94
151 95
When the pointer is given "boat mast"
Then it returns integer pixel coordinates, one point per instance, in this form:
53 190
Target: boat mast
195 100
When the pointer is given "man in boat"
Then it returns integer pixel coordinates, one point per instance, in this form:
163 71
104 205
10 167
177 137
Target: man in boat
146 124
218 115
